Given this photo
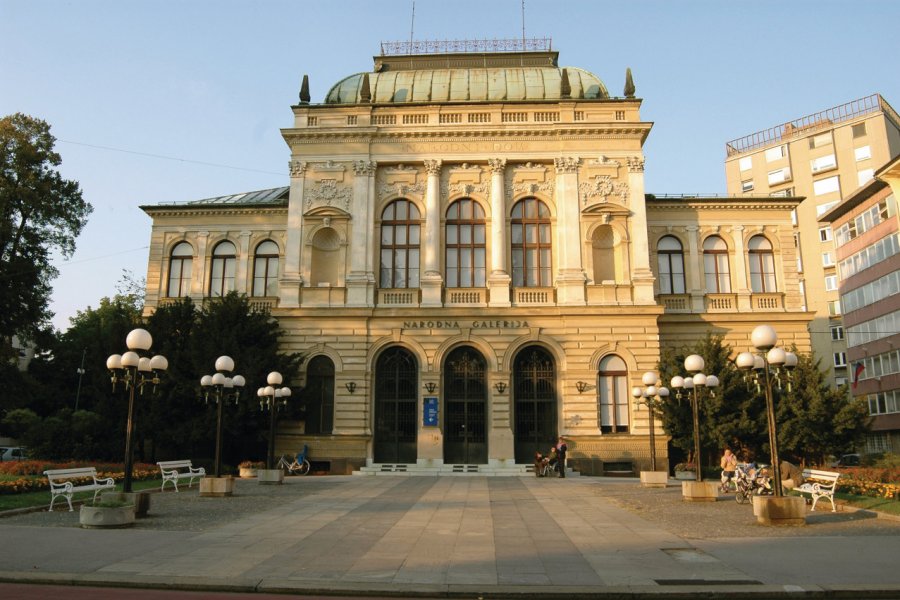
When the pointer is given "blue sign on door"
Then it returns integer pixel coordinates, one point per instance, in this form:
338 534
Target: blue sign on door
430 414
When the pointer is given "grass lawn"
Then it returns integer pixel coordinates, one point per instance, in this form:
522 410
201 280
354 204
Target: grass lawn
884 505
42 498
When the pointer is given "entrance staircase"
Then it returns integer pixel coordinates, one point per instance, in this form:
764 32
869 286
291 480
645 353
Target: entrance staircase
413 470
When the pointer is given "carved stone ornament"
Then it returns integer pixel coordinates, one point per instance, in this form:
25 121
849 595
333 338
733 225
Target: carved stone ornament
497 164
529 188
329 165
433 167
603 161
401 189
635 164
401 168
297 168
601 188
365 167
327 193
566 164
467 189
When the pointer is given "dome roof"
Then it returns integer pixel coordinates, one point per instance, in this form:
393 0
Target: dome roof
468 85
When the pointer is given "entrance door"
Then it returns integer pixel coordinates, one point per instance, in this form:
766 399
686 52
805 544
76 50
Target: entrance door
465 400
534 389
396 396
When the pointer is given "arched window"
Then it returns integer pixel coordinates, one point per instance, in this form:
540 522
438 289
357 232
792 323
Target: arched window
221 277
465 244
531 247
265 269
326 257
180 262
318 396
613 395
400 226
762 265
715 263
670 258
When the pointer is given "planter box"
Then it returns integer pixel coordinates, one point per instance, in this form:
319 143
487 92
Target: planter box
699 491
217 487
269 476
655 479
99 517
140 501
786 510
685 475
247 472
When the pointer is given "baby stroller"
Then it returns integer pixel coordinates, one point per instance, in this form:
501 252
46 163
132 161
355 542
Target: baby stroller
751 481
544 465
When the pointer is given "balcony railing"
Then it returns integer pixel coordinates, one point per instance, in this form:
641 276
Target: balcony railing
398 297
772 301
534 296
721 302
675 302
465 297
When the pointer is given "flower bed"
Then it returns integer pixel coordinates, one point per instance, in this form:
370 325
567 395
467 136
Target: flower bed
31 473
867 481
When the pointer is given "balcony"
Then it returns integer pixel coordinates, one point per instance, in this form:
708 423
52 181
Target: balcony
770 301
675 302
721 302
534 296
465 297
399 297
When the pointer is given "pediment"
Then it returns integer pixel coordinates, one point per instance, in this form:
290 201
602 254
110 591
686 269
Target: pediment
606 208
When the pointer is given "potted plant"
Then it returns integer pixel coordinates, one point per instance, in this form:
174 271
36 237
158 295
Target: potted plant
140 501
248 468
686 470
107 514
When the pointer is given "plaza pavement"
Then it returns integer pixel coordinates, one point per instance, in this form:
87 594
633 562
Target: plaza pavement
466 536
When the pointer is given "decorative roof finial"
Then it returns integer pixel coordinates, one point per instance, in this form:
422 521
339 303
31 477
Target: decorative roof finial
304 90
565 90
629 84
365 93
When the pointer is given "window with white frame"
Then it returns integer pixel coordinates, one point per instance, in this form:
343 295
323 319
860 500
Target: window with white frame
531 245
794 217
831 283
465 244
745 163
837 333
224 263
776 153
400 238
883 287
784 193
826 186
715 263
834 308
827 259
862 153
613 395
877 442
779 175
823 163
840 381
747 185
840 359
670 259
824 234
884 403
180 262
865 176
265 269
880 251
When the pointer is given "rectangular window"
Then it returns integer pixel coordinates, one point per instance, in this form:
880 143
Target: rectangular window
823 163
825 234
840 359
821 209
776 153
794 217
785 193
831 283
826 186
859 130
839 381
865 176
747 185
746 163
817 141
834 308
877 442
779 176
862 153
827 259
837 333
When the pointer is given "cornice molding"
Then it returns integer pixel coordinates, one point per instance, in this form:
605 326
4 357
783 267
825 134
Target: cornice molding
196 211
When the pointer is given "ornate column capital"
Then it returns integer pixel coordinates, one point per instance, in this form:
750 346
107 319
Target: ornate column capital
365 167
737 227
297 168
497 165
691 228
433 167
566 164
635 164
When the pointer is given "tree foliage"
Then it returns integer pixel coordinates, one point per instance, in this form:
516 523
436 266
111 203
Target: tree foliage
40 212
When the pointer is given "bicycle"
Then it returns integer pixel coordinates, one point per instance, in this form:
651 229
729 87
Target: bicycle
299 465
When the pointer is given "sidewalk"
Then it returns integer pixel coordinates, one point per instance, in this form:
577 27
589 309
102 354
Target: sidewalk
460 536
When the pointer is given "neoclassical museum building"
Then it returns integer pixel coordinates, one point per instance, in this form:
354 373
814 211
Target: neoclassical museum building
466 256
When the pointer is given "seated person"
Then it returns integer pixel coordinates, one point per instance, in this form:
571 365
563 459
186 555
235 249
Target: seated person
550 459
791 475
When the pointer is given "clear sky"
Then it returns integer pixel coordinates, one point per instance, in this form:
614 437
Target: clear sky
212 81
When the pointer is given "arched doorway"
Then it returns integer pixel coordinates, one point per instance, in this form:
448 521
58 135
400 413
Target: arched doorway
396 396
534 397
465 401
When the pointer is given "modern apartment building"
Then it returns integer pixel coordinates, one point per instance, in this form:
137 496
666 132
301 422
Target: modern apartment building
464 252
867 251
823 158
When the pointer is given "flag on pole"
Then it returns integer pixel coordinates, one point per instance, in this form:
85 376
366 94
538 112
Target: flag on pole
857 371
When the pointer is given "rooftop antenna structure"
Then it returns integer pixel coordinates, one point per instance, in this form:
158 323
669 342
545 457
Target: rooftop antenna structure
412 26
523 24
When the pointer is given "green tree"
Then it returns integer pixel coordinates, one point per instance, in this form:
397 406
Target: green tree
39 212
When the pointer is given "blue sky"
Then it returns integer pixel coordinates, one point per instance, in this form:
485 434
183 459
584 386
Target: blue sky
213 81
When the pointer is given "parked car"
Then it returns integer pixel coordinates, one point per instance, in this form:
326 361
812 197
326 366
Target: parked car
847 460
13 453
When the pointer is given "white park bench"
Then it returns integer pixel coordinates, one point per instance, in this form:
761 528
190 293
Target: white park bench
65 482
819 484
173 470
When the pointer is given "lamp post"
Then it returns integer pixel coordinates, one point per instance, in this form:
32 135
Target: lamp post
268 400
221 387
652 395
692 384
764 339
134 371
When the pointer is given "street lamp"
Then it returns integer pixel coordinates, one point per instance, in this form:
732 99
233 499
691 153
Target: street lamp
652 395
134 372
764 339
692 384
268 400
221 387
